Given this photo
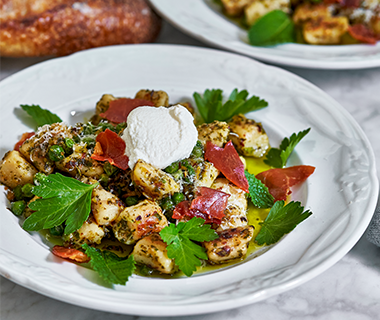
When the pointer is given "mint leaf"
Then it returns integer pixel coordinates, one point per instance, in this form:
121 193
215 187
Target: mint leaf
258 192
211 106
40 116
277 158
273 28
62 199
110 266
182 249
280 221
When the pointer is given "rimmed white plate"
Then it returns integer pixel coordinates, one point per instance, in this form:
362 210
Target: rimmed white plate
204 20
342 192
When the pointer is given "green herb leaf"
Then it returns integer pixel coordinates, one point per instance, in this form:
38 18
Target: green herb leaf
211 101
110 267
62 199
181 247
258 192
280 221
273 28
278 157
211 106
41 116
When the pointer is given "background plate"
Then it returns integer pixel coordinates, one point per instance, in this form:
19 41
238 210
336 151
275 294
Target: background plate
342 192
204 20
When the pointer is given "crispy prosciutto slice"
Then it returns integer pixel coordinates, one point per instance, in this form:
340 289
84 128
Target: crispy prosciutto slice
228 162
344 3
351 3
363 34
110 147
279 181
70 254
211 202
25 136
119 109
208 205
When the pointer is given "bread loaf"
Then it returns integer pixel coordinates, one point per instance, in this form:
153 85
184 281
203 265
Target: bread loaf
59 27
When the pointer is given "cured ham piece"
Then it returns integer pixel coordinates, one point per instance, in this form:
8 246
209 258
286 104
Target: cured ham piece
208 205
228 162
70 254
25 136
119 109
279 181
110 147
363 34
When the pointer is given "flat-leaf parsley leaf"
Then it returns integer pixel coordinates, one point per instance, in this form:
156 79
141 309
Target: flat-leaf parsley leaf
280 221
110 266
211 106
62 199
182 249
278 157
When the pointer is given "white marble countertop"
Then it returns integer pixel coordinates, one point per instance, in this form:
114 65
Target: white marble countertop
349 290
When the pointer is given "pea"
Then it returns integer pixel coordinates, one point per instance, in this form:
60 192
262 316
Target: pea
39 178
131 201
178 197
177 175
68 146
18 207
57 231
56 153
18 192
167 203
27 190
197 150
189 167
109 169
172 168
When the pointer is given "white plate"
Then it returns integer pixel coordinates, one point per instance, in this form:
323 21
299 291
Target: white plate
204 20
342 192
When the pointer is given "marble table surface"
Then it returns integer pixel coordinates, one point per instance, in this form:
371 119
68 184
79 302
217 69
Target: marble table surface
349 290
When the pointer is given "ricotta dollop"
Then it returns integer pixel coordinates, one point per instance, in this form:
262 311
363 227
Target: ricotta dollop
159 136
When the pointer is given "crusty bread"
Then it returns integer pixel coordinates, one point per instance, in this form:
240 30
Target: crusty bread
60 27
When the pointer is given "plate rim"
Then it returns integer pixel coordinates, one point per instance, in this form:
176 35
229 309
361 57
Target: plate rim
217 307
257 53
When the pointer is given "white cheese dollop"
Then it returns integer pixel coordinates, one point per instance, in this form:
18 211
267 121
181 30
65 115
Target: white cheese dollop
159 136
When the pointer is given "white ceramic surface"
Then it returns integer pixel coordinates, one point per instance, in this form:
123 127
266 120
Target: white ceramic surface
342 193
204 20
